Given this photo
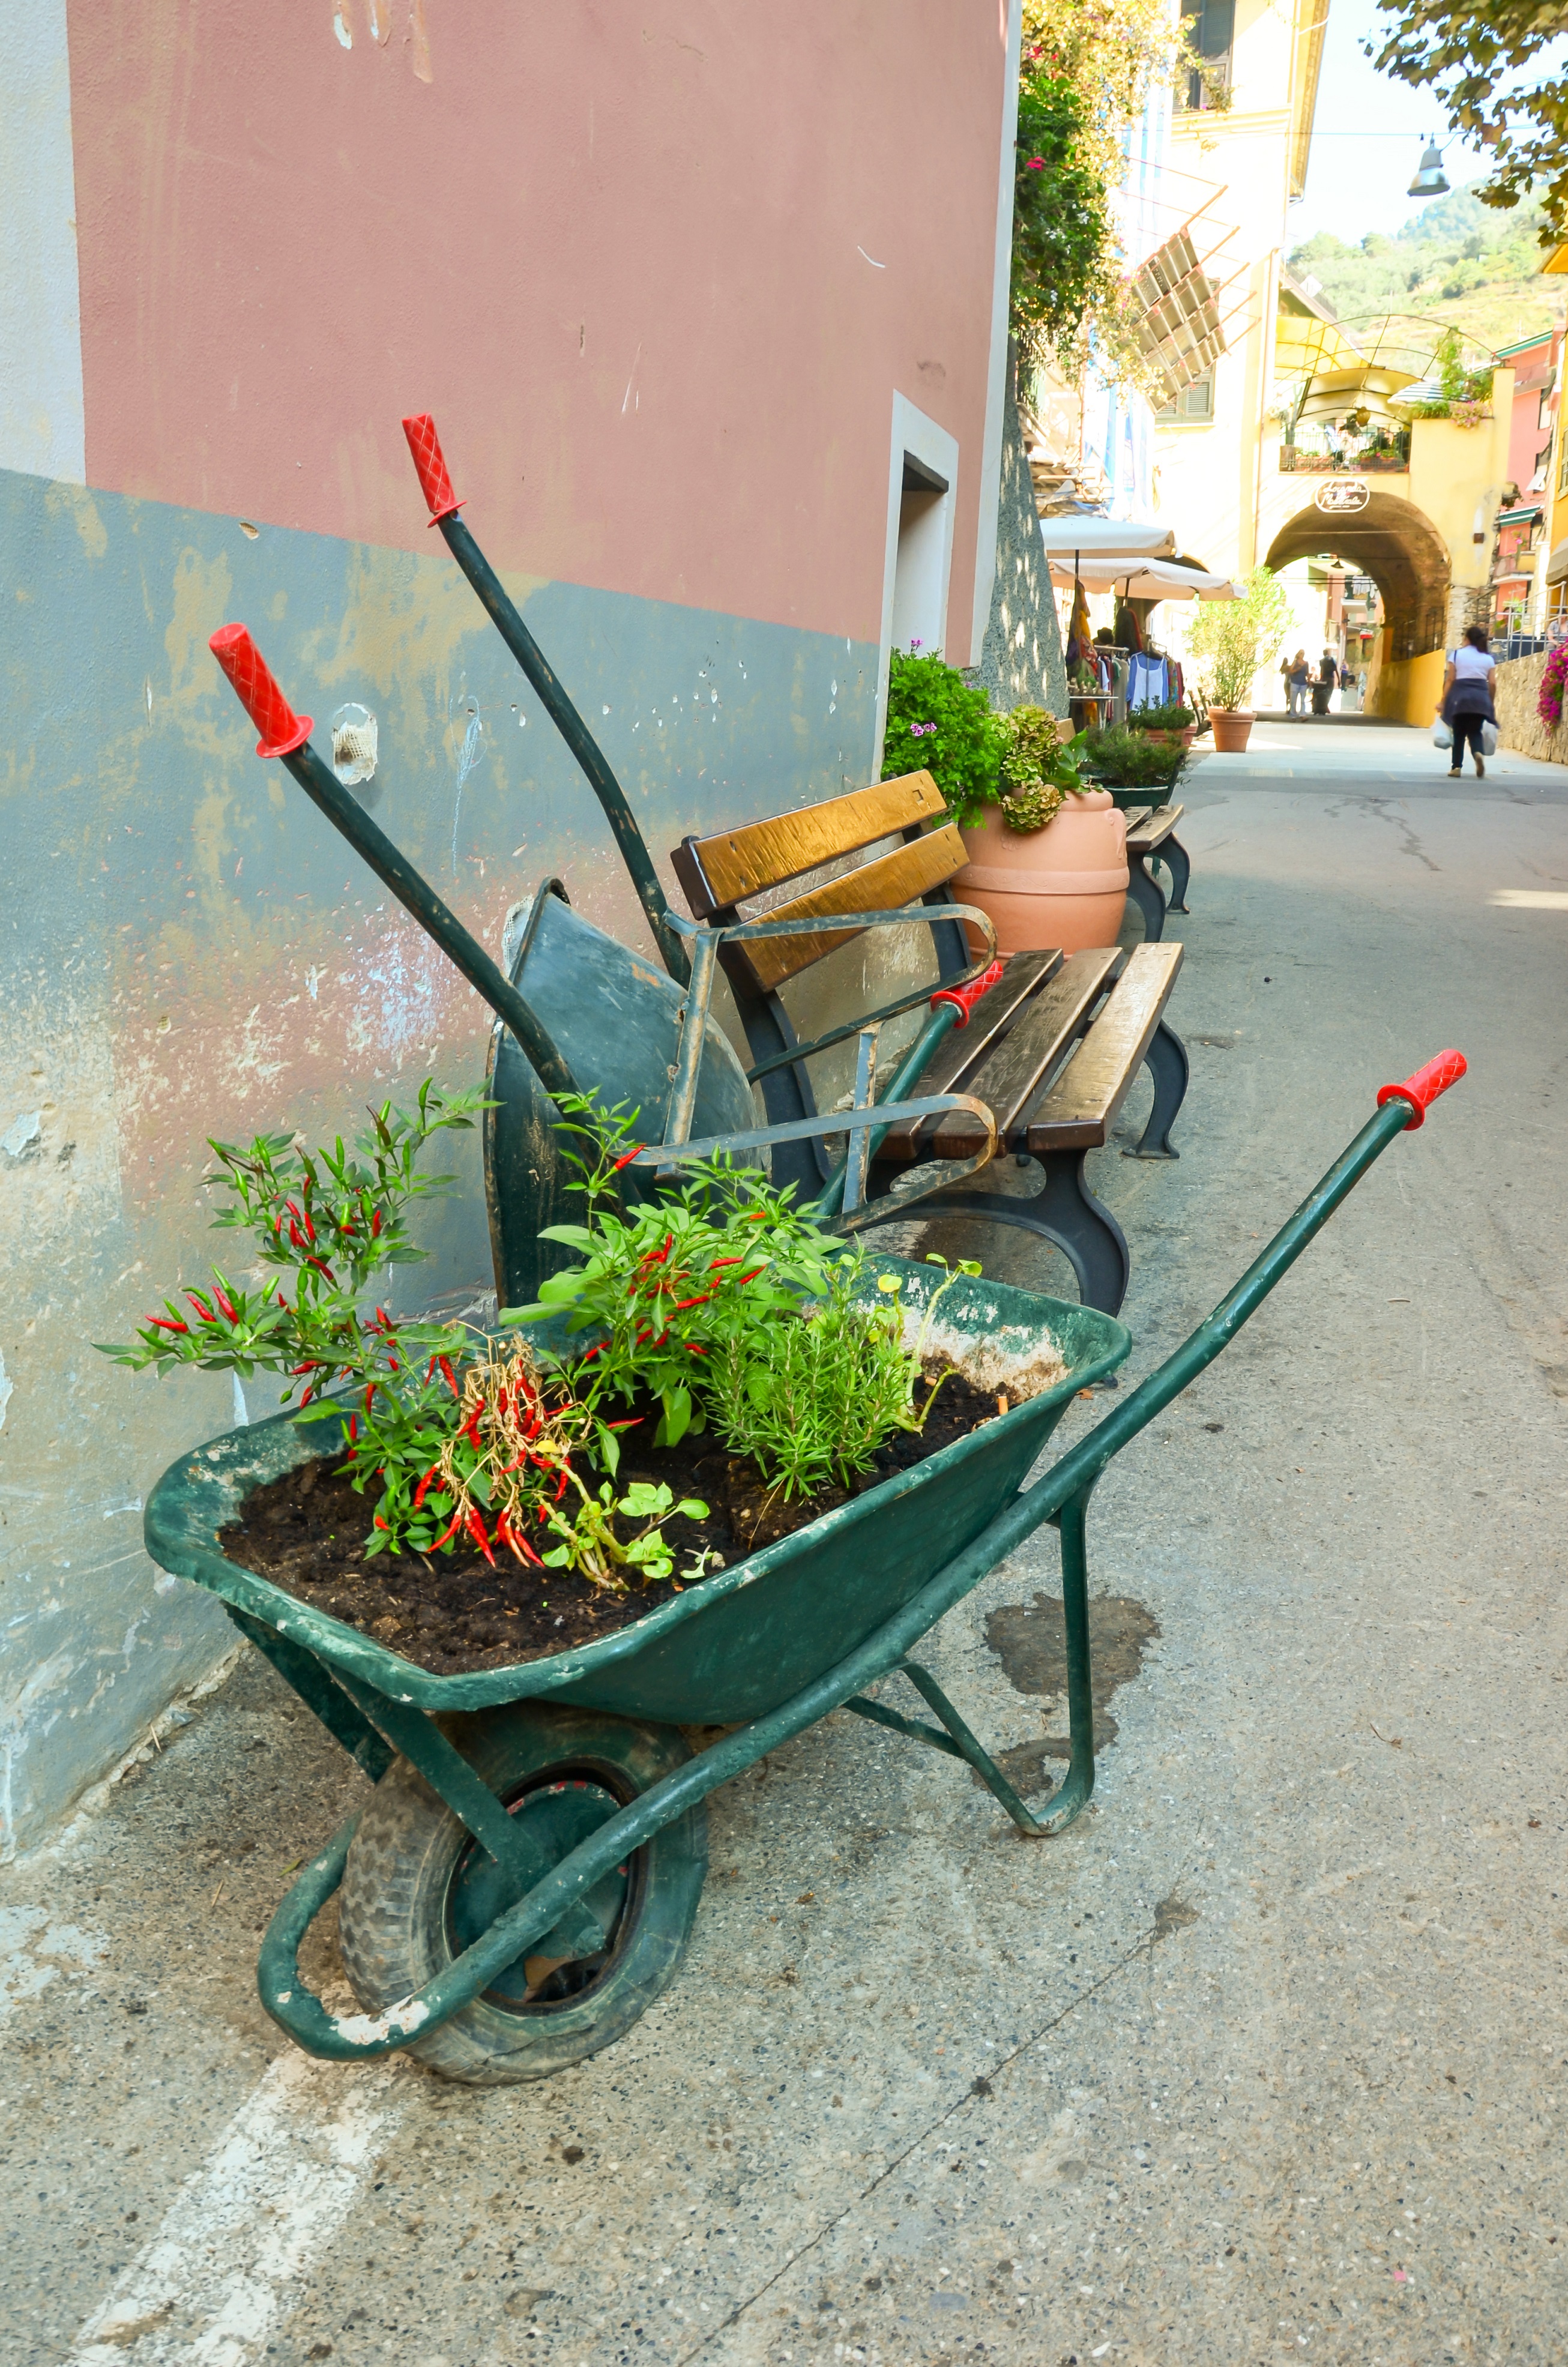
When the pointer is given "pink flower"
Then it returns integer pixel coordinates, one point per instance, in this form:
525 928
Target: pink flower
1037 164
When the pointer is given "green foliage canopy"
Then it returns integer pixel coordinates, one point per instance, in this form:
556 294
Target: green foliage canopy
1468 57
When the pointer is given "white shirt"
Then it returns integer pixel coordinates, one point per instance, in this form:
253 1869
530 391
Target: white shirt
1472 664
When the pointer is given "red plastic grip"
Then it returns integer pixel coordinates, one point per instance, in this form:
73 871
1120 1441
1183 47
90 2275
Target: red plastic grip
255 686
1421 1090
428 458
964 998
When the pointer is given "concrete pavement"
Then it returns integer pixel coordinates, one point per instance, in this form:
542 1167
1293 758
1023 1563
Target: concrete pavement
1265 2060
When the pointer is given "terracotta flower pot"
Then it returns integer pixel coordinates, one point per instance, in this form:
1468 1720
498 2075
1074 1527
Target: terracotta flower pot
1064 886
1233 729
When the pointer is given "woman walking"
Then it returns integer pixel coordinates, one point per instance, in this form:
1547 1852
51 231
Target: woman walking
1467 686
1296 673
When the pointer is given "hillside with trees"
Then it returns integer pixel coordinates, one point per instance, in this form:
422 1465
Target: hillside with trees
1466 264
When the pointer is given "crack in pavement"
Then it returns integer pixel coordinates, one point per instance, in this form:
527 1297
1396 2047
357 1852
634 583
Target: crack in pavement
983 2087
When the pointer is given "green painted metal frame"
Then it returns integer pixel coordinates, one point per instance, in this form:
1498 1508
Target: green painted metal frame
1061 1496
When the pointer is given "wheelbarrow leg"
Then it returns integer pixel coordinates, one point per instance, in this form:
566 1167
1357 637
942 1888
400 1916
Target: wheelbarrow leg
313 1681
969 1748
1072 1795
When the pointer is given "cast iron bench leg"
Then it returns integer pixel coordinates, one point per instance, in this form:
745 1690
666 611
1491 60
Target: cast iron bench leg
1173 855
1064 1212
1145 893
1166 1060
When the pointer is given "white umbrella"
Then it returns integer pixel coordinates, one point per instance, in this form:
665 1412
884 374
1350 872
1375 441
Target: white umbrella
1159 579
1102 538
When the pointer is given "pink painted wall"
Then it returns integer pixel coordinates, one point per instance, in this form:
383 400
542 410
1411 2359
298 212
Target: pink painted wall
622 255
1532 366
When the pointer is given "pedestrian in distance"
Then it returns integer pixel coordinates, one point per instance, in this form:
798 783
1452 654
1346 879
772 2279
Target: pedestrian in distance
1467 689
1297 674
1327 684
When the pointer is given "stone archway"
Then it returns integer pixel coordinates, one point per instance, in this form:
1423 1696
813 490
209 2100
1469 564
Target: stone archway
1398 547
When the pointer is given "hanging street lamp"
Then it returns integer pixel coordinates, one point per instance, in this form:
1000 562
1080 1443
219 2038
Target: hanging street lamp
1431 181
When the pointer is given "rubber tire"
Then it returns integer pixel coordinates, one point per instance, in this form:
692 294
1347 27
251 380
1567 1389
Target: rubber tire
392 1906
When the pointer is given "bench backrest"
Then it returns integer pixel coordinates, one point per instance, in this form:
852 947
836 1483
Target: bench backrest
749 865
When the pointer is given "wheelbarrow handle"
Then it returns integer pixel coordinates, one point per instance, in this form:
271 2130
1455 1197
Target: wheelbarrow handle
1423 1089
1400 1108
443 504
288 735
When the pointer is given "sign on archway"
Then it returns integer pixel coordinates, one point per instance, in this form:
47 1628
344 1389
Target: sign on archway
1341 495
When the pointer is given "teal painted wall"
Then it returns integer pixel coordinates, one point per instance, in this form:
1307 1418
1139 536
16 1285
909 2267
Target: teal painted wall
187 950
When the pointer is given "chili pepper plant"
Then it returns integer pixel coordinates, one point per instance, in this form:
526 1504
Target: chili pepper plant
721 1305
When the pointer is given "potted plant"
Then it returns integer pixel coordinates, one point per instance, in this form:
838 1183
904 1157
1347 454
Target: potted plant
1136 766
1236 638
1048 859
1048 850
1172 721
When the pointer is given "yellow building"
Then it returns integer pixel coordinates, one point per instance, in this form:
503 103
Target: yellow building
1295 445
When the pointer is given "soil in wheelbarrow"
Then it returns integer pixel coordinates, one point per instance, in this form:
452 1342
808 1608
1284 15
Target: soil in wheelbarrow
449 1613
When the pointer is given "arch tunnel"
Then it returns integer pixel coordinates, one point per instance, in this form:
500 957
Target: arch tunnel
1397 545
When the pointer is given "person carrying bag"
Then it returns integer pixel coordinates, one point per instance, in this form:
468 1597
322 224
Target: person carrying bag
1466 707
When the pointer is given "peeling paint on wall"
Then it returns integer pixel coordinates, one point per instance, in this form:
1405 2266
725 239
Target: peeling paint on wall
191 950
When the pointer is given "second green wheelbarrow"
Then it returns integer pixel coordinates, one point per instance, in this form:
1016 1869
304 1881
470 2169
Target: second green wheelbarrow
521 1884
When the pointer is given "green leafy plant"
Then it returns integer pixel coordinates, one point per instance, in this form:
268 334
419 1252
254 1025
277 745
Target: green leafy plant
1039 772
659 1282
1235 639
943 725
1170 718
589 1543
1125 759
1474 61
460 1444
832 1387
734 1310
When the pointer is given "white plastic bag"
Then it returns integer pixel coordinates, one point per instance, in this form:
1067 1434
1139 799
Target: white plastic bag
1441 735
1489 739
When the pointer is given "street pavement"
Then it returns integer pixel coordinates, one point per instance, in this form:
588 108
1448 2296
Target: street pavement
1265 2060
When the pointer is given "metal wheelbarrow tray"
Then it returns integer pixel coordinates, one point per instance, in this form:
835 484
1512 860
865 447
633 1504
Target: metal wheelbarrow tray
523 1881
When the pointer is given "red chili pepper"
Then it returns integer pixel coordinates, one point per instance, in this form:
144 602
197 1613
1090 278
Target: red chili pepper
307 1394
631 1155
753 1275
376 1225
477 1531
167 1323
354 1432
420 1492
693 1350
304 1217
321 1267
587 1355
698 1301
449 1532
392 1365
643 1335
282 1302
470 1430
202 1307
369 1393
295 1235
380 1523
448 1375
660 1255
566 1475
719 1261
225 1303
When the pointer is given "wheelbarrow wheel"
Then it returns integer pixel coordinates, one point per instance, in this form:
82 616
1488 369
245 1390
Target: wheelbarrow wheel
418 1890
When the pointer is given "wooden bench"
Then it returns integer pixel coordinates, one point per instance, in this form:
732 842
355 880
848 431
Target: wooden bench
1151 838
1052 1049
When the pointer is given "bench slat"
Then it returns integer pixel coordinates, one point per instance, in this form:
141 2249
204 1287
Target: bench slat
1078 1111
901 878
1153 829
1030 1051
720 871
965 1047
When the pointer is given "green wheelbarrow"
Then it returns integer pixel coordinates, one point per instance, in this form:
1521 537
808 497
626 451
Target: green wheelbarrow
521 1885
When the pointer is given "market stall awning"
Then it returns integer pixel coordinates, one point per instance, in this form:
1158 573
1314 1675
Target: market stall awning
1103 538
1146 579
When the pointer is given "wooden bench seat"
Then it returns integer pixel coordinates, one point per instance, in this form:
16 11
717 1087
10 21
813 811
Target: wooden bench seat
1151 838
1052 1049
